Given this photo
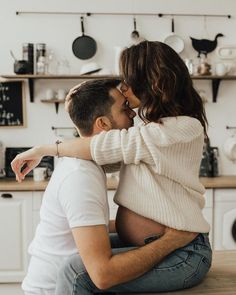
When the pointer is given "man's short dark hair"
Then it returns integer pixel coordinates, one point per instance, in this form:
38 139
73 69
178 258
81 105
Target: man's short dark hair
90 101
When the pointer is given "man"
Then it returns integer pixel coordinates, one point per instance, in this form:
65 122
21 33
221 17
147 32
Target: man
75 214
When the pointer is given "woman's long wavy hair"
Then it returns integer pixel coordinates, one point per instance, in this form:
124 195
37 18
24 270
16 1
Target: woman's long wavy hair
160 79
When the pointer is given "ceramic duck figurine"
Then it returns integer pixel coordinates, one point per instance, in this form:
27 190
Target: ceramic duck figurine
205 46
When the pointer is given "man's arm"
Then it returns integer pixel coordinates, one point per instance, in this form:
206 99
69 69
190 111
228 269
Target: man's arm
107 270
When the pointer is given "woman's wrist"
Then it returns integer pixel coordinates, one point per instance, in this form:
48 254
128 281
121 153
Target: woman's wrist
46 150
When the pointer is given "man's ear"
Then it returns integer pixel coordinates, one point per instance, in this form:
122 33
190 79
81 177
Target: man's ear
102 123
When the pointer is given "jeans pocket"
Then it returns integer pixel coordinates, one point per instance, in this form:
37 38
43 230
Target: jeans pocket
198 274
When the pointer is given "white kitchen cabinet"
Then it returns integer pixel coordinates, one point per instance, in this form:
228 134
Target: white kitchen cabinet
37 201
15 233
112 205
208 211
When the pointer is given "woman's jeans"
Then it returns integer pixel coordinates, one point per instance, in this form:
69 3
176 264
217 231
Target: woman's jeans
183 268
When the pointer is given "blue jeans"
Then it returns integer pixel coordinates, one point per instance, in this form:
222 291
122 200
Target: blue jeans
183 268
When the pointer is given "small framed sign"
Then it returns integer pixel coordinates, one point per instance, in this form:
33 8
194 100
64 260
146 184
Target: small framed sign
12 104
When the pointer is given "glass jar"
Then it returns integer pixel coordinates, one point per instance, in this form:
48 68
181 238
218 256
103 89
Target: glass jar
41 65
189 65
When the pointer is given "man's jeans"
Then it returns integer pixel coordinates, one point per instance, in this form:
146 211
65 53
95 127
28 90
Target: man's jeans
183 268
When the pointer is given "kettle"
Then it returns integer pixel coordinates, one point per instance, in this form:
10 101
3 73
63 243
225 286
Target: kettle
22 67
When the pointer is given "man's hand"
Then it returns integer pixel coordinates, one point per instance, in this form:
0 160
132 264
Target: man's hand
29 160
178 238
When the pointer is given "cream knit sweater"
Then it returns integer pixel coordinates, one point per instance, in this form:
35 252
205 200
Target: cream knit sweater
159 178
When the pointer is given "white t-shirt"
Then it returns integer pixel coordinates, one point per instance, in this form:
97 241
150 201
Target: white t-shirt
75 196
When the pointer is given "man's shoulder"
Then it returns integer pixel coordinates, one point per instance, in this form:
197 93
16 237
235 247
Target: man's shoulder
71 164
66 167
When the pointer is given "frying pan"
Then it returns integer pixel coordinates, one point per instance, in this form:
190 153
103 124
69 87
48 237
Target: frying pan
173 40
84 47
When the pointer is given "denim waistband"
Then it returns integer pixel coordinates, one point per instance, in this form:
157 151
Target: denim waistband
202 237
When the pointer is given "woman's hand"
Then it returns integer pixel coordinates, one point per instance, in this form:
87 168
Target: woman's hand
29 160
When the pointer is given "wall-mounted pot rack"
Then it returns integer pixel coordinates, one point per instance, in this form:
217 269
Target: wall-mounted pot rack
20 12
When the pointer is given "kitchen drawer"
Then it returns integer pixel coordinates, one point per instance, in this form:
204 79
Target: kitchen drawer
208 214
37 200
113 206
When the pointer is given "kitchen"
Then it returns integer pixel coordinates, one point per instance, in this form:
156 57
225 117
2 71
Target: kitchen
58 31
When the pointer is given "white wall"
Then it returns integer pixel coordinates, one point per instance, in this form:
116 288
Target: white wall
58 32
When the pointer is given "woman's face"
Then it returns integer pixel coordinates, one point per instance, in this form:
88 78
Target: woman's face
126 90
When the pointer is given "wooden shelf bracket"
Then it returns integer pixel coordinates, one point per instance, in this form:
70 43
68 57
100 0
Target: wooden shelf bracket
31 89
215 87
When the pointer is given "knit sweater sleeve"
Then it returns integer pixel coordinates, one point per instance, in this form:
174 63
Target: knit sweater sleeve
142 143
124 145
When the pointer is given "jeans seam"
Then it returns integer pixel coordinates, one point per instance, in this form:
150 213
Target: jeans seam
86 283
195 272
177 265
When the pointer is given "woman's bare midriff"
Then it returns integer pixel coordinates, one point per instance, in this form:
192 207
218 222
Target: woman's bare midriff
134 229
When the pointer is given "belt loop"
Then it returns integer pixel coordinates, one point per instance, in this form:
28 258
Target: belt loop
205 237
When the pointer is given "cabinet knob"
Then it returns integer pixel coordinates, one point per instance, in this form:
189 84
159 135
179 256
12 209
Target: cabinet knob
6 196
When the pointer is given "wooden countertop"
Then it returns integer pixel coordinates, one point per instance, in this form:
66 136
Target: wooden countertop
28 184
10 184
221 279
227 181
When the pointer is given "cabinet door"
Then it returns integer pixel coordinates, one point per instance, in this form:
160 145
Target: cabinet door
208 212
15 233
37 201
113 206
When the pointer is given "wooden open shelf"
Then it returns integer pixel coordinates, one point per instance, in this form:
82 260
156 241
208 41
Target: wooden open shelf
55 101
215 80
31 78
52 100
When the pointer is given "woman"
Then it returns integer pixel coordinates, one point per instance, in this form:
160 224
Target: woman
159 184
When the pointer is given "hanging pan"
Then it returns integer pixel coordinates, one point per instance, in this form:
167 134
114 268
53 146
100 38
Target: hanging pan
173 40
84 47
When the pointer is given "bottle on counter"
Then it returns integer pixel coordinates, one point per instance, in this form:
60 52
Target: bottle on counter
204 68
190 65
51 63
41 63
214 161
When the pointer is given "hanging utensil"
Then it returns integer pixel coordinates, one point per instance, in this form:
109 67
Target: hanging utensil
20 66
135 33
173 40
12 54
84 47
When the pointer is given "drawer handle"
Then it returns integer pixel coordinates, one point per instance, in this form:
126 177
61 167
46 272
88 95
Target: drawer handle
6 196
